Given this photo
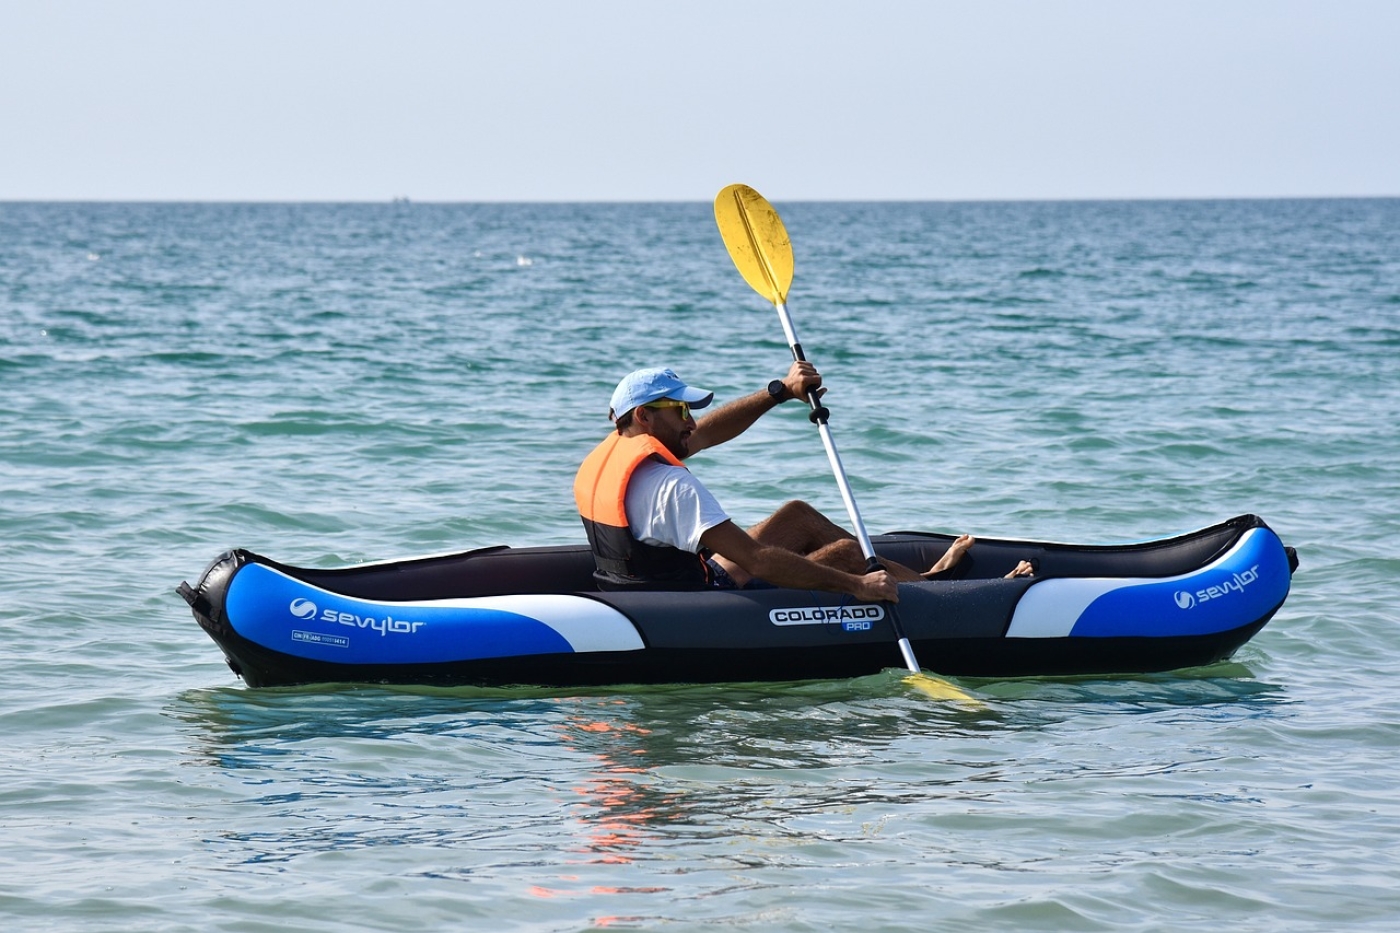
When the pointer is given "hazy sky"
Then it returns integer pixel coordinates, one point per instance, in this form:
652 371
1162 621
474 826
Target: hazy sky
614 100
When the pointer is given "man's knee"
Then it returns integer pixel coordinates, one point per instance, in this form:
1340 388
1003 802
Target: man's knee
795 510
796 526
847 548
843 555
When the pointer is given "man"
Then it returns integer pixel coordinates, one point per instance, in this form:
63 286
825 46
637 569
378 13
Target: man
649 520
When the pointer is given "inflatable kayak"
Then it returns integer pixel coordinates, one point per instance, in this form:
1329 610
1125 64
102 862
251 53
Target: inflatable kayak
504 616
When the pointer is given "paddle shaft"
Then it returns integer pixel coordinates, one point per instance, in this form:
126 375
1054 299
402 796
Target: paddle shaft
757 241
819 416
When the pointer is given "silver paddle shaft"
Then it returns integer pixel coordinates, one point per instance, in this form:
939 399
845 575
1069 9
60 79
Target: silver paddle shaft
827 441
866 548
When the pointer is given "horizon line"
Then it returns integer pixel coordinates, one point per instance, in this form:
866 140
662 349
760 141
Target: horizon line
404 200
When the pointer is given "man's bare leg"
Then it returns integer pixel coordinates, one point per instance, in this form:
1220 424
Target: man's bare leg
798 527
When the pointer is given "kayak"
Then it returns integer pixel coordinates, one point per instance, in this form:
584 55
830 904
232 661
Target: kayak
504 616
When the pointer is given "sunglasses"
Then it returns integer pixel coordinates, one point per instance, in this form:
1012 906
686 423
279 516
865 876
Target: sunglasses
671 403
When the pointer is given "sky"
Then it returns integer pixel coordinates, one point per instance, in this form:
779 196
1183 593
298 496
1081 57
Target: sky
623 100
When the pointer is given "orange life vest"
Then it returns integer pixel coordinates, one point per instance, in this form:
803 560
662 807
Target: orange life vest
600 492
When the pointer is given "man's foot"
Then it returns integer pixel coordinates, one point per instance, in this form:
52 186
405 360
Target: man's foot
961 546
1023 569
950 557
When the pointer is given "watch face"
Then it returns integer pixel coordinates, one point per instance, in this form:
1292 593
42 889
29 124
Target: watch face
776 388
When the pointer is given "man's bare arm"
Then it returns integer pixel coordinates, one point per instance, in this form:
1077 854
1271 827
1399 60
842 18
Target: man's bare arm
729 421
788 569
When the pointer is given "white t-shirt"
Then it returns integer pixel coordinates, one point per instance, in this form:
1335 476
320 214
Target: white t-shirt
667 505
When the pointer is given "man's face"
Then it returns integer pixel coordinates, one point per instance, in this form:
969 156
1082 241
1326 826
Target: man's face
670 423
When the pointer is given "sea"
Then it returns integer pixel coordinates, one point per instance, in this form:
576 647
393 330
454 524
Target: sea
330 384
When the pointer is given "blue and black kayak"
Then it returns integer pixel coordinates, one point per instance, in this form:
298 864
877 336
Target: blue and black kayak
504 616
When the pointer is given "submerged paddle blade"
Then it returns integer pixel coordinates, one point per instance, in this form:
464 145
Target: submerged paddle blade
940 689
757 241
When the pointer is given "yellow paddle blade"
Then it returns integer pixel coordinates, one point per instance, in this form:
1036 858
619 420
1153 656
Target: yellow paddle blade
757 241
940 689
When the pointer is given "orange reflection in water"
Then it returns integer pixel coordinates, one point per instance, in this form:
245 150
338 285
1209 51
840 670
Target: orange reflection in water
617 805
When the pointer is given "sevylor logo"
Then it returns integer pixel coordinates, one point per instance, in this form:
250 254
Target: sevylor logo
1185 599
305 610
817 615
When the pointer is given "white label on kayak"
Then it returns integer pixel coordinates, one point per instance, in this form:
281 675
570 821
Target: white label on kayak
822 615
1185 599
320 638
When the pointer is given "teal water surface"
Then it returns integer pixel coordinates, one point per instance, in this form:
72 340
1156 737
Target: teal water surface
328 384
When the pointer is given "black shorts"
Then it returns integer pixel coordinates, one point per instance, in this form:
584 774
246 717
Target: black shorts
721 580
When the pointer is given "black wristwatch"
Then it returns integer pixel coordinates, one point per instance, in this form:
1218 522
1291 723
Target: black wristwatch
779 391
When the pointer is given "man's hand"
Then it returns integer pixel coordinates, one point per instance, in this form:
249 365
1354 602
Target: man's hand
878 587
802 378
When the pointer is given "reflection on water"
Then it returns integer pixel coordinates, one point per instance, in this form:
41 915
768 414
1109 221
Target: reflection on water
618 799
749 726
611 778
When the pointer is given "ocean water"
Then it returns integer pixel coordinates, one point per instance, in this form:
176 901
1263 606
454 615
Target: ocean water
328 384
